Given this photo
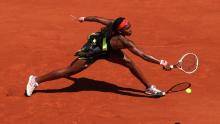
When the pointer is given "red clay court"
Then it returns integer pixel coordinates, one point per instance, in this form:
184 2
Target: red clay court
38 36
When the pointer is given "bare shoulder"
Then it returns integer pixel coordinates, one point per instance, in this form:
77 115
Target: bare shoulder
119 42
127 42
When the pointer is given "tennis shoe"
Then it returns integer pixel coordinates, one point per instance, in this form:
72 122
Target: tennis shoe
31 85
153 91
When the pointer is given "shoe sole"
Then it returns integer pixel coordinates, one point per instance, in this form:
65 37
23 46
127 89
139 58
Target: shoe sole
156 95
26 94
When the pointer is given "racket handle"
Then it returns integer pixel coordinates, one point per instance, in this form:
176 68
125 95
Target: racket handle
171 66
174 66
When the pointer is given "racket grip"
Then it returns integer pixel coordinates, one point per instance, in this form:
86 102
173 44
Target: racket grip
171 66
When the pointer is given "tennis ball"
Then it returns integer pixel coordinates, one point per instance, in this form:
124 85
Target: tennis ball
188 90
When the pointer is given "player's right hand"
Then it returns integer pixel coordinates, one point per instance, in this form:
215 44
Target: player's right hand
165 65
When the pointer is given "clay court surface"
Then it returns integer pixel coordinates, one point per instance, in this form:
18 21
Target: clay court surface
38 36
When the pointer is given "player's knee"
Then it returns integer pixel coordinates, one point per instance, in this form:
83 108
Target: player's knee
66 72
129 63
71 70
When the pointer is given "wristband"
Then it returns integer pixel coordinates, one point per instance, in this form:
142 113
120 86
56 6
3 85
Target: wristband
82 19
163 62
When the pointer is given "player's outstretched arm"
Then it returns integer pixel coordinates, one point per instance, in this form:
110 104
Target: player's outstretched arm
101 20
141 54
132 48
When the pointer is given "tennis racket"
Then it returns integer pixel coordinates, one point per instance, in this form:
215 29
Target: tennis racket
179 87
188 63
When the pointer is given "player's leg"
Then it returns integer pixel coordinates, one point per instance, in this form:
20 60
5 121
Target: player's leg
122 59
76 66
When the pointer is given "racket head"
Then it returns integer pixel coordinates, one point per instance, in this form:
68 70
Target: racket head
188 63
179 87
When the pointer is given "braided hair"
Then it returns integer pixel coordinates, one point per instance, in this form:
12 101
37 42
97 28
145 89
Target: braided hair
112 27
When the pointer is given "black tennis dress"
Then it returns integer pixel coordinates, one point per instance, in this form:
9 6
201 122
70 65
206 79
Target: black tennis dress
96 47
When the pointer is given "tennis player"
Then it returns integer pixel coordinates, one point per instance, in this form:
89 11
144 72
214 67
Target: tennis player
106 44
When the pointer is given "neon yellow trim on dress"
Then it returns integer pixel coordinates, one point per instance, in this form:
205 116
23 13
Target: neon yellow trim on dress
104 44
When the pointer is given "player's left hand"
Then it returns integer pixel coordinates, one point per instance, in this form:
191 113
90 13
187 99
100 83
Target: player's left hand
75 18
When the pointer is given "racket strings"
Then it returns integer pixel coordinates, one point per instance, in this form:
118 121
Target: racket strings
189 63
